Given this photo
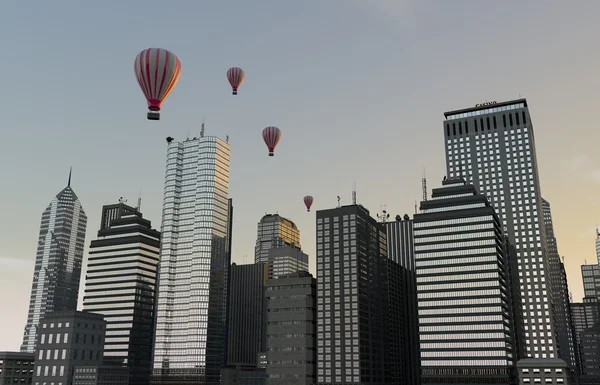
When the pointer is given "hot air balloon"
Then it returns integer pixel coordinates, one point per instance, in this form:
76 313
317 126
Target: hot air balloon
235 75
157 71
308 201
271 135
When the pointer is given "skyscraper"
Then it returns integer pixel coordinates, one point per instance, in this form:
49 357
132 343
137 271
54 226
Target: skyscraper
354 298
560 295
121 285
466 328
492 145
191 319
247 324
404 323
286 260
58 262
274 231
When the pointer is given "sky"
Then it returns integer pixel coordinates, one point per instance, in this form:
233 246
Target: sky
358 88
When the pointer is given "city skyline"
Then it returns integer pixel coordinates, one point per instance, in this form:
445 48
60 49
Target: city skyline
394 119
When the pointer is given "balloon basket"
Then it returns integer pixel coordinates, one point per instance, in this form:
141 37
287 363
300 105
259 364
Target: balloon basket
271 154
153 115
234 93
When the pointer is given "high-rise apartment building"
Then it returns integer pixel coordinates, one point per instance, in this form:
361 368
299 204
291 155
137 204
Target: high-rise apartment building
560 295
121 283
403 322
286 260
191 316
16 368
247 307
466 328
292 330
274 231
492 145
58 262
354 294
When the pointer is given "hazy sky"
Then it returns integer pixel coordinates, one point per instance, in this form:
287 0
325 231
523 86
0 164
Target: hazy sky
358 88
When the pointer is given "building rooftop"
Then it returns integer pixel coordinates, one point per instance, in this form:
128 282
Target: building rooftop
485 106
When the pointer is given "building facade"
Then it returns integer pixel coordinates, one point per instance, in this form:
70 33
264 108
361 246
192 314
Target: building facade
466 324
101 375
16 368
121 284
286 260
67 339
560 295
292 330
274 231
353 298
247 307
404 324
191 317
493 147
58 262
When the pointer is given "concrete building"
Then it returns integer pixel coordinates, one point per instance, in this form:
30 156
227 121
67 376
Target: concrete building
589 349
274 231
466 325
121 285
58 260
404 324
286 260
16 368
101 375
67 339
492 145
247 307
240 375
291 329
190 345
354 299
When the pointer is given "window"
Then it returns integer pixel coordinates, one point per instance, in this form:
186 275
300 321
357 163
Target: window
66 338
43 339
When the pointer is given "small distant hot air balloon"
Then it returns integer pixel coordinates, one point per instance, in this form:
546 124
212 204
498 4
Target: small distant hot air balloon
235 75
308 201
157 71
271 135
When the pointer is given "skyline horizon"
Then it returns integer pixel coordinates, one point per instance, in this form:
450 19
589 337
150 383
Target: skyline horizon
358 90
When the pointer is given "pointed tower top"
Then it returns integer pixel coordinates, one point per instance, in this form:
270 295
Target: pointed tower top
70 171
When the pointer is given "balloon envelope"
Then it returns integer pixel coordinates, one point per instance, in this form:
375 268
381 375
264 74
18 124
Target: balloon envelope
157 71
236 76
308 201
271 136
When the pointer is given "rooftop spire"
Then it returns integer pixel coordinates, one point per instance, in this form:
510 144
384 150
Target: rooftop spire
70 171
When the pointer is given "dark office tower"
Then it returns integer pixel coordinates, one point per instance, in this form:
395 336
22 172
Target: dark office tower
292 330
285 261
16 368
463 288
404 320
120 284
67 339
191 316
58 262
274 231
560 295
492 145
246 314
353 303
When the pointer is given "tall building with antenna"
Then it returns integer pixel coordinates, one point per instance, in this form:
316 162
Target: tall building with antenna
191 316
493 143
58 262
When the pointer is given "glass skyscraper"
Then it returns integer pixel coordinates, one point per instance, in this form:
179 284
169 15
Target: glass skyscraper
492 146
274 231
190 342
58 262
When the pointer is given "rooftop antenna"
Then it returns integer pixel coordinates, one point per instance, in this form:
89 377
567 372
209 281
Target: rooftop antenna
415 206
70 172
354 193
227 138
202 129
383 217
338 198
139 205
424 185
122 200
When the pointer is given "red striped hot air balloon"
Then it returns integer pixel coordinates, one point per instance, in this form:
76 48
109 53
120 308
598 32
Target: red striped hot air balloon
157 71
235 75
271 135
308 201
